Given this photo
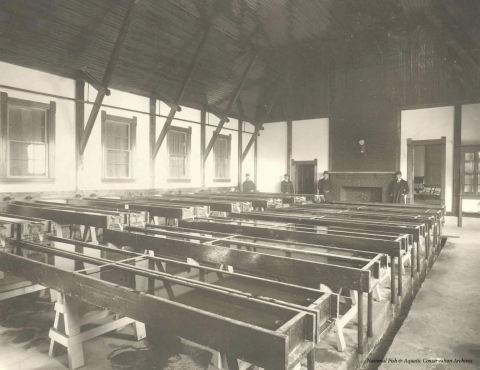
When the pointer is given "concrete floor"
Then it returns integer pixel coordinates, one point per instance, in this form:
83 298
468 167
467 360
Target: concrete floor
444 320
444 323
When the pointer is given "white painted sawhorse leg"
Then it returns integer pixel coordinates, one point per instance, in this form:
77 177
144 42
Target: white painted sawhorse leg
66 329
346 318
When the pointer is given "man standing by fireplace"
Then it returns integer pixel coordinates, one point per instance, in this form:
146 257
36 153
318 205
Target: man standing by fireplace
398 189
324 187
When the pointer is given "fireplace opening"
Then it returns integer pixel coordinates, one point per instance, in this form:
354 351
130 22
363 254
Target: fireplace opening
361 194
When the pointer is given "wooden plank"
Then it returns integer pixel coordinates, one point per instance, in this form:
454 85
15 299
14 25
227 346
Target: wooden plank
331 221
61 217
108 75
308 273
259 346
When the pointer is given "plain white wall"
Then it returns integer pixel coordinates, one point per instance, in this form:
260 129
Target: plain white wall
272 156
310 140
30 79
429 124
471 124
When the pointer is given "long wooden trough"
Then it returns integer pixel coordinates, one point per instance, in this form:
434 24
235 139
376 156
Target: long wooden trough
269 345
302 265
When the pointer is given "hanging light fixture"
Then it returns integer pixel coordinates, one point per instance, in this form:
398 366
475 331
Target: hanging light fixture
361 148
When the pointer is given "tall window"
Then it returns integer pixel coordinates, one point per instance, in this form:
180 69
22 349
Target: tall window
27 140
118 141
221 152
178 146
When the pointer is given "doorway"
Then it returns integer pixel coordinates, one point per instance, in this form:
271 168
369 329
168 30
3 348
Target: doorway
305 176
426 171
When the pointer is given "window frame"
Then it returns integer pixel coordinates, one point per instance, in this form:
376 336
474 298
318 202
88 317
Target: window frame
50 123
188 135
228 138
132 123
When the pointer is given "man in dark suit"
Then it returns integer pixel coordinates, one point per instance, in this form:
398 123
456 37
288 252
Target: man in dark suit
287 186
248 185
324 185
398 189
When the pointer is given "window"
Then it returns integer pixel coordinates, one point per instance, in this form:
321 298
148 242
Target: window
27 140
178 147
221 153
118 142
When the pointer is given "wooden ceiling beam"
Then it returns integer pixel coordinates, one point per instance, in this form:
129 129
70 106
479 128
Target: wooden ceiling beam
88 78
233 99
259 125
180 94
108 75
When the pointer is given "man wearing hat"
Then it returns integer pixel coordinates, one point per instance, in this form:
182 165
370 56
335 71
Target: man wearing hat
324 185
398 189
248 186
286 185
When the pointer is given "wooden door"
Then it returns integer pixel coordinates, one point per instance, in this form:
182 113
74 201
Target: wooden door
305 178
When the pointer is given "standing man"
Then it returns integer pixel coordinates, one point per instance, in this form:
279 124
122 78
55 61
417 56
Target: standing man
287 186
248 186
398 189
324 185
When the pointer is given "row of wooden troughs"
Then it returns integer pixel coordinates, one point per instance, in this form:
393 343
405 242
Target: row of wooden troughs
259 279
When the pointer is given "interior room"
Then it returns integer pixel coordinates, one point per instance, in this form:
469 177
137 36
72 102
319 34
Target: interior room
239 184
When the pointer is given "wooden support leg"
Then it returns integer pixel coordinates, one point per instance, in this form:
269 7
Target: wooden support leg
417 245
376 293
139 330
370 315
360 323
412 261
71 325
232 363
393 293
400 276
311 360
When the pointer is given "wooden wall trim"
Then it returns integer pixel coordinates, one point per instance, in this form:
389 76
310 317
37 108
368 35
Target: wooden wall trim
457 142
203 121
239 154
152 138
289 146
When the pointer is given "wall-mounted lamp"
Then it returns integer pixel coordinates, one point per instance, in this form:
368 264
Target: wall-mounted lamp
361 148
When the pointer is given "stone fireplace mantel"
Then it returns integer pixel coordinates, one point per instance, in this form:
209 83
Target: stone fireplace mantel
361 186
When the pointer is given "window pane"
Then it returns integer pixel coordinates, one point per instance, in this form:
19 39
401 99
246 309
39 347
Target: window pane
14 116
39 167
468 188
15 169
469 167
469 157
468 179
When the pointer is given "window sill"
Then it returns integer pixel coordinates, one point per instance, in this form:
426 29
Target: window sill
117 180
19 180
179 180
222 180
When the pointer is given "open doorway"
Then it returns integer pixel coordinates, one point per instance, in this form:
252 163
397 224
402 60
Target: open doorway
426 171
305 176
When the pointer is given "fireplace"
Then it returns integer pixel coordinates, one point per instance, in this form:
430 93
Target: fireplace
360 186
361 194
